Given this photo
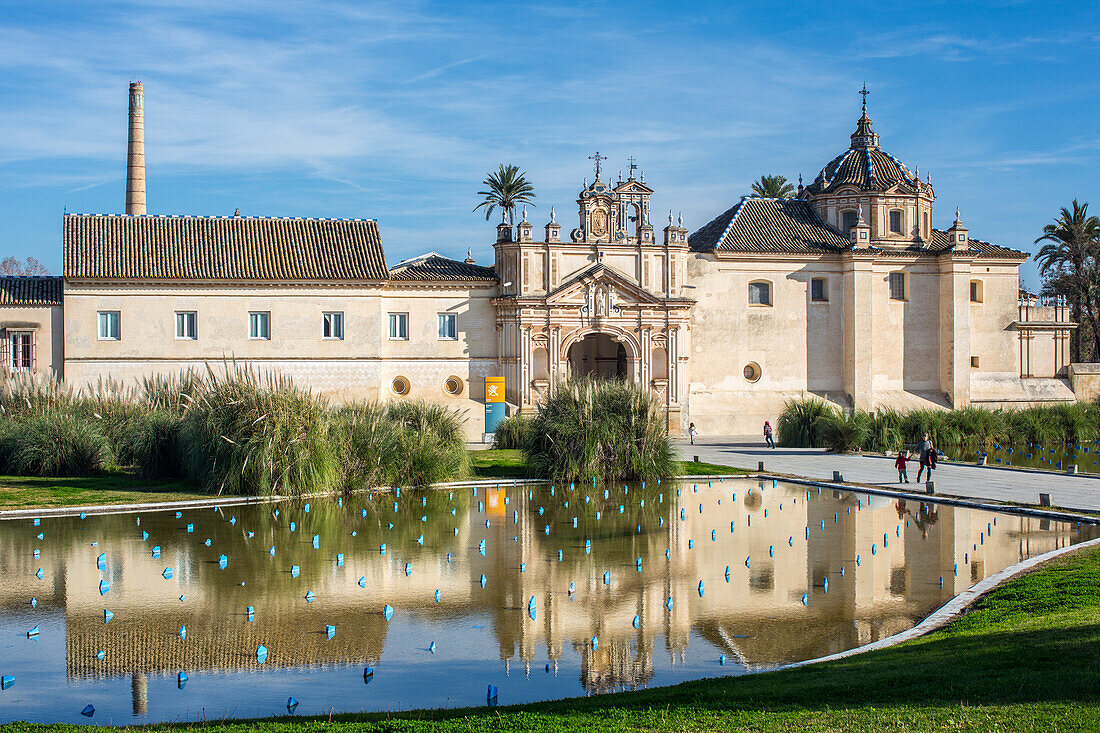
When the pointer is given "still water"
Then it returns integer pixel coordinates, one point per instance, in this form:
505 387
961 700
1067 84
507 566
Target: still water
1052 457
542 592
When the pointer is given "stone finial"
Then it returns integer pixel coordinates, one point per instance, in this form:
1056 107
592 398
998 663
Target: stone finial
957 220
680 219
643 177
553 220
670 217
469 256
525 212
859 214
236 212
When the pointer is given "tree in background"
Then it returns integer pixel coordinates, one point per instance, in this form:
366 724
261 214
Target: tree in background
773 187
507 188
1069 268
12 266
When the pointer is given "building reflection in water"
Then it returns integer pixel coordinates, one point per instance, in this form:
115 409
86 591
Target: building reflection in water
868 567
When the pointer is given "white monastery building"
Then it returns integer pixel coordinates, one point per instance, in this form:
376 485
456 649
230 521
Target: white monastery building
846 291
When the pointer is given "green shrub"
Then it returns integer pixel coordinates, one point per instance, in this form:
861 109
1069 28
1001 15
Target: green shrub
431 444
799 423
57 443
244 435
369 445
884 431
609 430
1033 425
513 432
152 444
844 432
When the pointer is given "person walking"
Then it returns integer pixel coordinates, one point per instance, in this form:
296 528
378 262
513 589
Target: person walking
899 463
924 449
692 432
768 434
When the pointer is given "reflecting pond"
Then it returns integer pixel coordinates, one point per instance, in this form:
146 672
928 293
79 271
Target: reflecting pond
1056 456
543 592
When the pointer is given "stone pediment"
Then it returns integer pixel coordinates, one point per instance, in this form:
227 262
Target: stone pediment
632 186
599 285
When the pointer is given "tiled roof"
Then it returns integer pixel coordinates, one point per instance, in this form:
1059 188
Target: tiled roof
866 168
436 267
768 226
221 248
941 242
20 290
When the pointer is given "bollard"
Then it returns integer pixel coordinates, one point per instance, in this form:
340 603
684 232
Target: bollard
760 466
930 487
1044 499
695 458
1072 469
838 477
983 459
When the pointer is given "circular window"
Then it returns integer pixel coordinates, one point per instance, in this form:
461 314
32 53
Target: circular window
400 386
752 371
452 386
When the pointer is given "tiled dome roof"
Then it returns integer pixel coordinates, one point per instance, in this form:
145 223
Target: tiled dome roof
864 165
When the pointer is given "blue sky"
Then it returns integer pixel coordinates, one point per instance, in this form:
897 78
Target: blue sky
396 110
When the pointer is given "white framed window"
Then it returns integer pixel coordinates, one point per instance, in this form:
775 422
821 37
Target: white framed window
448 327
187 328
259 325
110 325
399 326
22 351
760 293
897 286
896 221
332 325
819 290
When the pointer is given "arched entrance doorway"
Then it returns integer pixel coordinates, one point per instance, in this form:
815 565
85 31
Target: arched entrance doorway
599 355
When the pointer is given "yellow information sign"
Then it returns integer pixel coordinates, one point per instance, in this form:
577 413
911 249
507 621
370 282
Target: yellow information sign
494 389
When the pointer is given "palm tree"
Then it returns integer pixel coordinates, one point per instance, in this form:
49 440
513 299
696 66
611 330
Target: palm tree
772 187
1073 242
507 188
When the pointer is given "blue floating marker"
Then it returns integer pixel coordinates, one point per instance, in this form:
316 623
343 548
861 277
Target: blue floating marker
88 711
595 643
306 508
805 599
101 655
713 535
483 580
387 612
104 587
83 515
438 595
634 623
181 680
668 603
107 616
309 596
33 632
431 647
857 561
37 554
522 567
293 526
368 674
748 561
39 574
700 589
727 573
330 631
180 514
722 659
155 552
339 559
183 598
101 561
249 613
420 540
7 681
408 569
183 633
34 602
842 571
560 556
261 654
316 541
291 705
190 529
874 550
223 561
208 542
491 696
295 571
271 551
607 577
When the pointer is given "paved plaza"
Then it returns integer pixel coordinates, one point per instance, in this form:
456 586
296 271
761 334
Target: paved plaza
1079 492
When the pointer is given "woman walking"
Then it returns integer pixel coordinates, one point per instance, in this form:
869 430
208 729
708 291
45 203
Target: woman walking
768 434
692 432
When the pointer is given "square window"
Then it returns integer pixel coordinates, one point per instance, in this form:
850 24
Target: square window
897 286
332 325
109 325
975 291
399 326
259 325
760 293
186 325
974 362
448 327
818 292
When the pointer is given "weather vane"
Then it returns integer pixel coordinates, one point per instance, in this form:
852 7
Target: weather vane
633 165
598 158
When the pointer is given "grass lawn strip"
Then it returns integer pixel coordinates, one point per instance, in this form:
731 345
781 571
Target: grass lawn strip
25 492
1022 659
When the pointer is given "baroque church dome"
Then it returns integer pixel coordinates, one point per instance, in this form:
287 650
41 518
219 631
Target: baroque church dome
864 165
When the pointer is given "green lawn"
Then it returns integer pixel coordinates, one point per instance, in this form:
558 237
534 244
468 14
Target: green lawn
510 464
1023 660
21 492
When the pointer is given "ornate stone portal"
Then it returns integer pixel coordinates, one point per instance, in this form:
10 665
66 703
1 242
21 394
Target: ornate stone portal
607 304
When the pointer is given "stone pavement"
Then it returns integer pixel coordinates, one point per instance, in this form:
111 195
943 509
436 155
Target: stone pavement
1081 493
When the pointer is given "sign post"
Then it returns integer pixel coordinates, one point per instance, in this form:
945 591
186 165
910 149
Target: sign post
494 403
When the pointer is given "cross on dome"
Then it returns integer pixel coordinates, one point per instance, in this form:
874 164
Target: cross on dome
599 159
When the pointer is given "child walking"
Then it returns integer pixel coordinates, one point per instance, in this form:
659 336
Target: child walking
768 434
692 432
899 463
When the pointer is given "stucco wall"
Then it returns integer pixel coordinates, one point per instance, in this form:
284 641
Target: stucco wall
49 335
363 365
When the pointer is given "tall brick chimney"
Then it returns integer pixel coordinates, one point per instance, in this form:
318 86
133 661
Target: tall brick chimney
135 152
